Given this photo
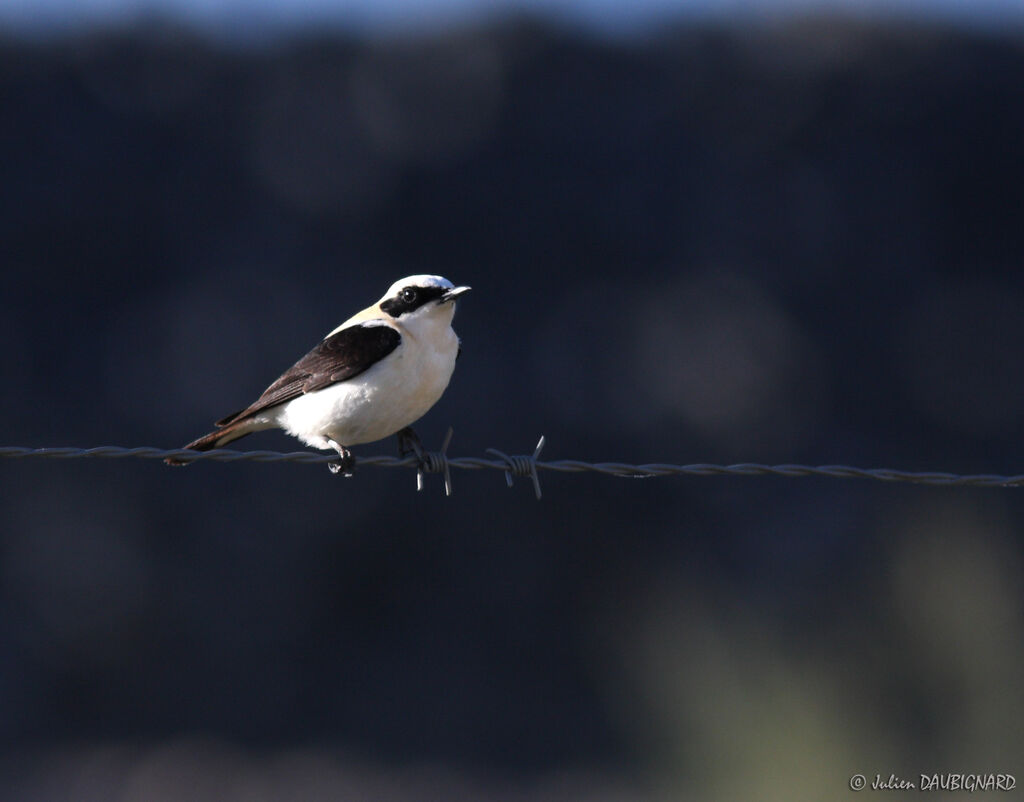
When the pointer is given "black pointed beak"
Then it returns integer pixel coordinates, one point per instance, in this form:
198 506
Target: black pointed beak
454 293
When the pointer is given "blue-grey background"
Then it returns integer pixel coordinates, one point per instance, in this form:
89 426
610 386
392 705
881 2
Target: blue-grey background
784 238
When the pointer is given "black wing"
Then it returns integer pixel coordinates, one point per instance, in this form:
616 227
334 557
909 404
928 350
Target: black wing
341 356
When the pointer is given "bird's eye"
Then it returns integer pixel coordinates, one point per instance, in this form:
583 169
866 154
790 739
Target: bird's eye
408 295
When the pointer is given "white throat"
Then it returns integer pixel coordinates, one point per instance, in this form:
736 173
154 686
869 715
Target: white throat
428 322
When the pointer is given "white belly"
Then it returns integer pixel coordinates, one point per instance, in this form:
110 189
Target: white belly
392 394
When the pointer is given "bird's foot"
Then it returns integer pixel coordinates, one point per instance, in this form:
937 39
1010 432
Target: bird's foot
409 443
346 462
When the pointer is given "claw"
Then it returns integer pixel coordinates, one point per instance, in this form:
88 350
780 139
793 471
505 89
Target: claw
346 462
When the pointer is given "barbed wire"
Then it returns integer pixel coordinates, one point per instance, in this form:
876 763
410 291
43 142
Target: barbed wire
526 466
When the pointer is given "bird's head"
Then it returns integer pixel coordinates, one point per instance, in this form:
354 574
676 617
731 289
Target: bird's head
417 298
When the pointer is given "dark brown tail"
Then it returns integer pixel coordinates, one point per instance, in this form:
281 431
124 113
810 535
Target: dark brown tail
216 439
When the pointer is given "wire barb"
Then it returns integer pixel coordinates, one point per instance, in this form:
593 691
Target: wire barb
440 462
435 462
522 465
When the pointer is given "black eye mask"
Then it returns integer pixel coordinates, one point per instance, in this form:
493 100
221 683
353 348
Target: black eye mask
399 305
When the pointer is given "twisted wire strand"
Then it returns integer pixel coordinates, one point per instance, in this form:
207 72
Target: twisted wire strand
526 465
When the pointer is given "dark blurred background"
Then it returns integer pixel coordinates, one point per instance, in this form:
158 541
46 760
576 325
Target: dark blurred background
791 237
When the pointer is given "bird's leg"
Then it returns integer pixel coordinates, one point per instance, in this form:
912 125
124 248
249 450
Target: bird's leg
409 443
346 461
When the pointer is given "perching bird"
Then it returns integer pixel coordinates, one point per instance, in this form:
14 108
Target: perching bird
373 376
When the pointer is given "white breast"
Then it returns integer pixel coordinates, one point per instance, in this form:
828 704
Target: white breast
392 394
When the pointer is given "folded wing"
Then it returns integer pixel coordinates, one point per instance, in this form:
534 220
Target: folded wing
341 356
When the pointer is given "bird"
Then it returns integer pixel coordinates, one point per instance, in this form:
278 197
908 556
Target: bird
373 376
